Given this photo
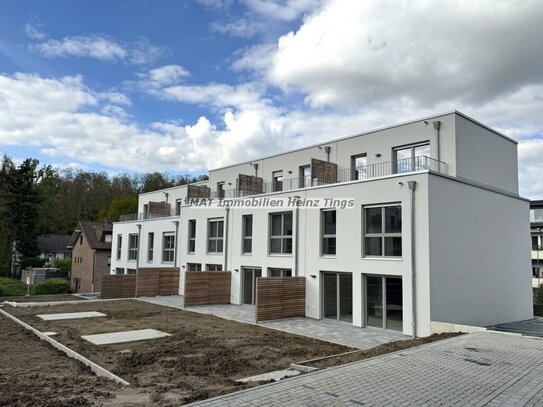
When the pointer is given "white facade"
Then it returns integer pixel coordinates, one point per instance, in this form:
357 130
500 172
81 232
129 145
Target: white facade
459 257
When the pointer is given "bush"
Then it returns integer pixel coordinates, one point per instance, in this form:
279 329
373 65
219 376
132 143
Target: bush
32 262
64 265
51 286
11 287
538 295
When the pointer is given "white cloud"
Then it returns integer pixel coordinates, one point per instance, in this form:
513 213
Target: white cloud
167 75
103 48
33 31
286 10
244 27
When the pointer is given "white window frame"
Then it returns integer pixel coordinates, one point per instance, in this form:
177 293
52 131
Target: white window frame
383 234
214 267
283 237
194 266
150 247
191 236
216 239
327 236
168 251
244 236
281 271
119 246
133 251
414 165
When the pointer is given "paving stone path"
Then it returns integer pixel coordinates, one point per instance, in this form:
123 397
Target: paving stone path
479 369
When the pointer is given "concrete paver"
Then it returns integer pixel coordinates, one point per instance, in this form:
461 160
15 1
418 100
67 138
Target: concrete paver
124 336
70 315
479 369
327 330
531 327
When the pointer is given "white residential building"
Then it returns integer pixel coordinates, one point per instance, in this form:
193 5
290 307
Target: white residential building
435 233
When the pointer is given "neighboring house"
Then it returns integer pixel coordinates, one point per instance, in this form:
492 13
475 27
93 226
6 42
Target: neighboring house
91 256
435 236
53 247
536 233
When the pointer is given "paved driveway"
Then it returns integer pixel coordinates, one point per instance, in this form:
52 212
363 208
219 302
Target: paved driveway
479 369
531 327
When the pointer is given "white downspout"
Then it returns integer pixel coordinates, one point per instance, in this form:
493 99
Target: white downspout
412 185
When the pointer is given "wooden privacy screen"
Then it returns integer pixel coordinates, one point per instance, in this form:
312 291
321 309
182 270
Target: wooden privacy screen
207 287
147 281
280 297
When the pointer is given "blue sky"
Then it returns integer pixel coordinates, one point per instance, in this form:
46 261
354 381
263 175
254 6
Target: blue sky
182 86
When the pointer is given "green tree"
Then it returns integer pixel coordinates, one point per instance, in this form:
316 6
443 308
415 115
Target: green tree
64 265
120 205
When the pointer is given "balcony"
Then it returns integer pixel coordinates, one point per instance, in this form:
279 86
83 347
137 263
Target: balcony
420 163
144 216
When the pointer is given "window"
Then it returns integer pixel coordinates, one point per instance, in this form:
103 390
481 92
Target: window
213 267
215 235
220 189
535 242
383 231
281 233
133 246
119 270
274 272
411 158
168 247
130 271
359 167
150 246
194 267
305 176
178 203
119 246
107 238
192 236
247 225
80 239
536 215
277 179
328 228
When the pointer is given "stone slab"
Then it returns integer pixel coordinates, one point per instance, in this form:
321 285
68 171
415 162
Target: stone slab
124 336
275 376
70 315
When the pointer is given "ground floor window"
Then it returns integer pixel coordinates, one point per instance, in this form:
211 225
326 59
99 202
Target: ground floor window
275 272
194 267
130 271
119 270
213 267
249 275
338 296
384 302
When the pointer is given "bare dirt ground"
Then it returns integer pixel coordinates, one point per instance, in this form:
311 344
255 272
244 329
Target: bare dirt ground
201 359
43 298
32 373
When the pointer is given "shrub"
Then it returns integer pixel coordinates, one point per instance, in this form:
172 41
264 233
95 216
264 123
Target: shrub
32 262
538 295
64 265
51 286
11 287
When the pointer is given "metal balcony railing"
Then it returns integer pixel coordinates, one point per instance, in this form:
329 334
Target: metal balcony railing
420 163
143 216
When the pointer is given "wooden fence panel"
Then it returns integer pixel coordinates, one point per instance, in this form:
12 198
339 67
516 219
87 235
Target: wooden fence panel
207 287
118 286
168 283
147 282
280 297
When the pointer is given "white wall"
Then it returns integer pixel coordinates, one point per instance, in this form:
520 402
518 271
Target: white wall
479 255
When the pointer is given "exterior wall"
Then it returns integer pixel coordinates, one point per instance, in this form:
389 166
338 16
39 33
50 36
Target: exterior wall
479 255
102 260
379 142
82 270
484 156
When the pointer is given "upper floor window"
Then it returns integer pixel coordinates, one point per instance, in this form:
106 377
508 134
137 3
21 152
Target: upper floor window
411 158
281 233
168 247
133 246
305 176
150 246
383 231
215 235
119 246
247 225
80 239
192 236
328 219
220 189
359 167
536 215
107 238
178 203
277 180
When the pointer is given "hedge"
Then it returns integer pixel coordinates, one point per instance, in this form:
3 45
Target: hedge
11 287
51 286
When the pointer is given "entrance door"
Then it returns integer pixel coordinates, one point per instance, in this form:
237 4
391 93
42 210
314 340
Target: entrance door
338 296
249 284
384 307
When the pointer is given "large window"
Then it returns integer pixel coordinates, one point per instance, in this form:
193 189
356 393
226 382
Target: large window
130 271
215 235
328 228
383 231
119 270
247 225
192 236
150 246
277 179
168 247
119 246
213 267
411 158
305 176
281 233
359 167
220 189
133 247
275 272
194 267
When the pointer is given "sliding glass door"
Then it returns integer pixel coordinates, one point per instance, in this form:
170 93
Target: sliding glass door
338 296
384 299
249 284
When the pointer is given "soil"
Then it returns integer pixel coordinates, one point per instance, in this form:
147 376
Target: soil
378 350
202 359
43 298
32 373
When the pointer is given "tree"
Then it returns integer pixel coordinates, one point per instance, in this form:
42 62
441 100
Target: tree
120 205
64 264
